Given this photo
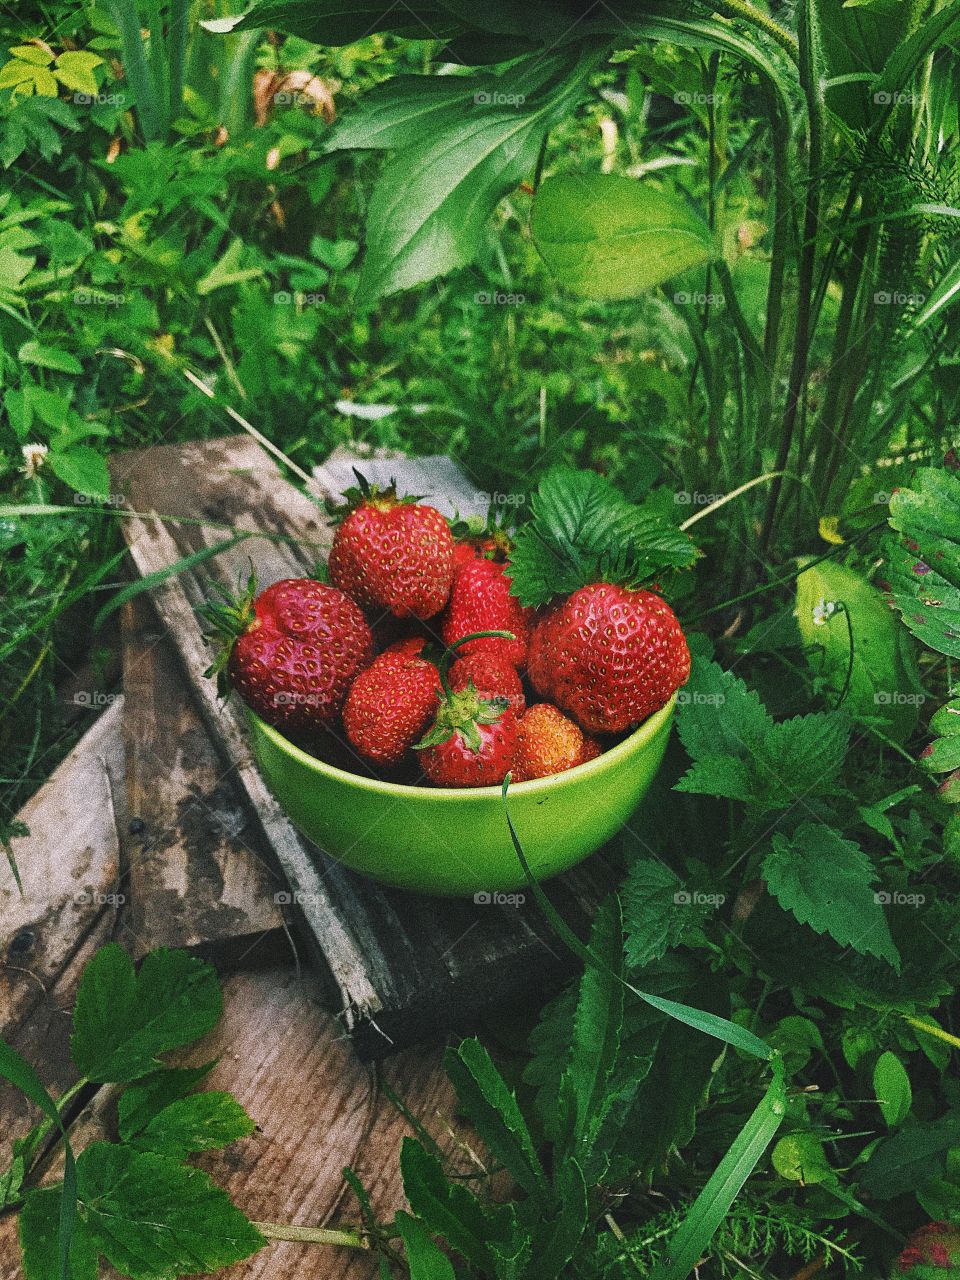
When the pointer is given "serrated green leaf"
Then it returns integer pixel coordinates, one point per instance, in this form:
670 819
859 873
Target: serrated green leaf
925 577
891 1084
74 68
492 1107
583 530
657 911
140 1102
827 882
202 1122
155 1219
597 1022
48 357
425 1261
123 1019
608 236
450 1210
725 776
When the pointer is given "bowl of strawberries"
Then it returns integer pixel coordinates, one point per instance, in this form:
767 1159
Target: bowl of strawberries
389 704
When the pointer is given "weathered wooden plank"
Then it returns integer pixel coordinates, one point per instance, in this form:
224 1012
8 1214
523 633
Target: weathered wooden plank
317 1108
71 870
399 969
199 875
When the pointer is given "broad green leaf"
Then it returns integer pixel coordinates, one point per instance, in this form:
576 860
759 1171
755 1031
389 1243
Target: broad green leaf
925 576
424 1259
335 23
39 1239
796 1038
827 882
18 1072
799 1157
492 1107
83 469
48 357
451 1210
891 1084
33 54
609 237
202 1122
74 68
123 1019
153 1218
915 1154
857 650
140 1102
724 1184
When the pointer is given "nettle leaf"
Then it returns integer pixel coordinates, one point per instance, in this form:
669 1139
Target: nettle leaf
583 530
740 752
202 1122
658 913
123 1019
608 236
153 1218
827 882
457 151
925 574
857 649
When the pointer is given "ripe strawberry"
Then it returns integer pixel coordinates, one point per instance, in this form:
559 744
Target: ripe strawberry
931 1253
548 743
393 553
391 702
609 656
290 652
481 601
492 675
472 741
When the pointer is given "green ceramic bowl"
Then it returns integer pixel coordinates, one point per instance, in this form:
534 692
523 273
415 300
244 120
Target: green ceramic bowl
455 842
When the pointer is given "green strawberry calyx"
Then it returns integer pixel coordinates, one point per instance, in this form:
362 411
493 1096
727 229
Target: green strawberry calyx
464 711
227 618
363 493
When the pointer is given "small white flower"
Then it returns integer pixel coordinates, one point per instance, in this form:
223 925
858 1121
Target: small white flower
822 611
34 456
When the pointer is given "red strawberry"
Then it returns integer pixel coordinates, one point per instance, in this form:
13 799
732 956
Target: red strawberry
492 675
292 651
390 703
548 743
393 553
609 656
932 1251
481 601
471 743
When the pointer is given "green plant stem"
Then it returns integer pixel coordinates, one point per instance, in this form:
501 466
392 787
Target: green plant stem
179 33
747 12
812 83
355 1238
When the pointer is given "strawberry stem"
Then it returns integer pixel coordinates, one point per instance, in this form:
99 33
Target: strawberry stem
452 648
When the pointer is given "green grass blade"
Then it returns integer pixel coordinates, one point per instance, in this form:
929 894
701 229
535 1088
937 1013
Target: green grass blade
127 20
152 580
713 1203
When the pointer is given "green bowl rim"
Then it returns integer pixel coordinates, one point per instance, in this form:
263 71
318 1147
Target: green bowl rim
448 795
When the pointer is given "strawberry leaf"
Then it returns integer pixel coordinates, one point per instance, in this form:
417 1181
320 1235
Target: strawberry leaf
581 531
